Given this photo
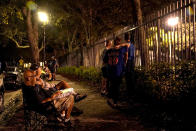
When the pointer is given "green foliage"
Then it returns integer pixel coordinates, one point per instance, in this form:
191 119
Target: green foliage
86 73
72 24
167 83
162 82
12 25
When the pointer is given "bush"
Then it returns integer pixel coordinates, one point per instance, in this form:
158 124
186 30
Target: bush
86 73
167 83
162 82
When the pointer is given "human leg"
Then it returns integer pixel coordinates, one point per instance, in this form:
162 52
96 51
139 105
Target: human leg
64 106
69 107
129 76
64 85
53 76
110 89
103 86
113 91
116 86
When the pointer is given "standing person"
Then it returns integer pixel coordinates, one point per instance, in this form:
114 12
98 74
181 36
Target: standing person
104 69
52 65
46 73
21 63
116 58
129 75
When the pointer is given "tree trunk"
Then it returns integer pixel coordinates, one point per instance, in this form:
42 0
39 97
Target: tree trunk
82 55
63 48
143 46
32 31
86 30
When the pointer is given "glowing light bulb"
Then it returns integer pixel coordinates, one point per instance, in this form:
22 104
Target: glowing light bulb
173 21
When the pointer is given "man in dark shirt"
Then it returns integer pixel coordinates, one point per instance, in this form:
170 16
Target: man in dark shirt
116 58
105 81
52 65
129 75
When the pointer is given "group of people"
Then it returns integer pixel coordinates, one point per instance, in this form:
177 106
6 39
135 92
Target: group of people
61 95
118 61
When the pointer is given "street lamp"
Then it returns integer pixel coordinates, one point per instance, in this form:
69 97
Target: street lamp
43 17
173 21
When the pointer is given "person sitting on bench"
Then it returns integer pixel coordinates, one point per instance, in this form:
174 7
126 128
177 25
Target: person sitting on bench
51 87
58 93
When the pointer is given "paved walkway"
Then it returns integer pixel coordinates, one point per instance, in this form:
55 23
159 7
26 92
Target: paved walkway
98 115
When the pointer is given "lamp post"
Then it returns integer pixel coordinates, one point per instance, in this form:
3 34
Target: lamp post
172 22
43 17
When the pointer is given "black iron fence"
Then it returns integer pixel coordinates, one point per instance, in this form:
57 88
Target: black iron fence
168 33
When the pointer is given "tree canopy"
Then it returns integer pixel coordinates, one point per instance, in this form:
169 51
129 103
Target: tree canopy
72 23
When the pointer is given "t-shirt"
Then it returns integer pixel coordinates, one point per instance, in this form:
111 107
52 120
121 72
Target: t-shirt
21 62
115 59
103 53
52 64
131 51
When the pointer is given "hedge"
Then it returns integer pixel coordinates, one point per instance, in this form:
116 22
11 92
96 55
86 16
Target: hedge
90 73
162 81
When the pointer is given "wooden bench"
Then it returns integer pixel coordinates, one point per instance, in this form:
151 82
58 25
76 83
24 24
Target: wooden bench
36 114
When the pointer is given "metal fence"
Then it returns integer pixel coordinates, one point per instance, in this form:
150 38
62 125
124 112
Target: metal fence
169 34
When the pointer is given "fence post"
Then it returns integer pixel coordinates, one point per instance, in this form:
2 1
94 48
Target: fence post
158 33
194 28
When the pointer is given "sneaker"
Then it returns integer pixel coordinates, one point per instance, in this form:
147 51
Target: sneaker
111 103
68 124
67 120
103 92
60 118
79 97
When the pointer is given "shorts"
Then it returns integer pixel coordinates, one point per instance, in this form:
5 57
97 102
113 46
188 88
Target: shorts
53 70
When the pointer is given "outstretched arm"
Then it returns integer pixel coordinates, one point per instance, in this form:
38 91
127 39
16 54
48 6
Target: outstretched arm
126 44
123 45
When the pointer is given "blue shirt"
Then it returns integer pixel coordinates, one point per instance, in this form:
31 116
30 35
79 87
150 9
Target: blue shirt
115 60
131 51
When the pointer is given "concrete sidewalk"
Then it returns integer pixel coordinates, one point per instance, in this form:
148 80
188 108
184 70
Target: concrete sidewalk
12 102
97 116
